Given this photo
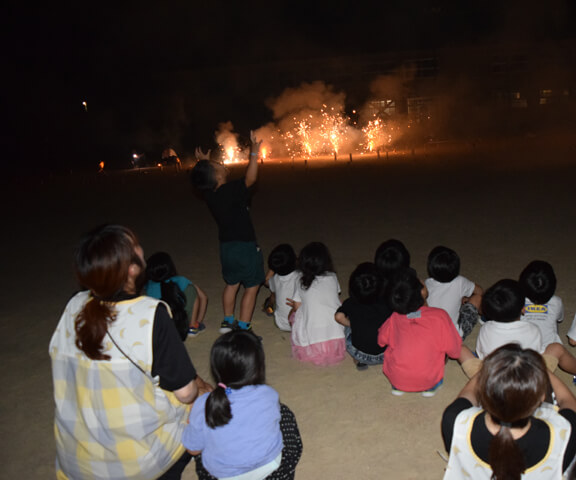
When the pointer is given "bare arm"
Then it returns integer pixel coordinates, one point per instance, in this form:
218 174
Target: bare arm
469 391
252 170
190 392
342 319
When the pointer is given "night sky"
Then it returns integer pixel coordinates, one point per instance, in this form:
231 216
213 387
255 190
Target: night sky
108 54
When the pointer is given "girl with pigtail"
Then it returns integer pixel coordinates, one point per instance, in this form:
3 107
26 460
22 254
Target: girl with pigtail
240 430
501 427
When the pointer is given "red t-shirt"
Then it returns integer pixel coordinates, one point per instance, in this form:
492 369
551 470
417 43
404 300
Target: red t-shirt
417 346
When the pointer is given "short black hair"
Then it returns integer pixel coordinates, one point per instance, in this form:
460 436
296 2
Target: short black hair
202 176
503 301
366 283
282 259
443 264
405 292
391 256
538 281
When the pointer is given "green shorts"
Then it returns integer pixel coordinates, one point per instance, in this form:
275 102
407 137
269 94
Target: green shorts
242 262
191 295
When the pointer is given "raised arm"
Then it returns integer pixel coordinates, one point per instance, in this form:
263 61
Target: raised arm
252 170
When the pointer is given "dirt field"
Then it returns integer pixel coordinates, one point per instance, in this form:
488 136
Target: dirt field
499 206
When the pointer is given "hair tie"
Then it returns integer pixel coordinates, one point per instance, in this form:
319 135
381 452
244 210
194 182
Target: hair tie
506 424
228 390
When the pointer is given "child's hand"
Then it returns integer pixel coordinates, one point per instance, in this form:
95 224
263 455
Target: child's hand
200 155
255 142
293 304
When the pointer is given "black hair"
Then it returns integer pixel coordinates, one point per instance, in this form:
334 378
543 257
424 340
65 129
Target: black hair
314 260
538 281
366 284
202 176
405 292
443 264
282 259
160 267
503 301
236 360
391 256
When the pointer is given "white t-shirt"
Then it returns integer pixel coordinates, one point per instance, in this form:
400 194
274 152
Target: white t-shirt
493 335
314 322
283 286
546 317
448 296
572 332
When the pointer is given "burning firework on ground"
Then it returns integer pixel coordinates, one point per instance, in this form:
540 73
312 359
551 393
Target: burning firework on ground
310 122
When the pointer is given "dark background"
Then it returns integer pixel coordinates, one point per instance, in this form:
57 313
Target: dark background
121 57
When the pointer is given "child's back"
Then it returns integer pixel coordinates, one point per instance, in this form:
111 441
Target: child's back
502 305
283 287
542 308
418 338
447 288
283 283
363 313
316 336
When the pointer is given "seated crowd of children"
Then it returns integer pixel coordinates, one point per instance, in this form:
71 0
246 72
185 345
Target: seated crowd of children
391 318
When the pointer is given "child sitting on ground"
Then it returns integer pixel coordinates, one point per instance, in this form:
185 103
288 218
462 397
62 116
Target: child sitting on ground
240 429
391 257
240 255
418 338
161 269
449 290
541 307
281 279
502 304
363 314
316 336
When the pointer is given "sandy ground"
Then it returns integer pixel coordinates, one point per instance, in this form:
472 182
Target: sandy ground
498 206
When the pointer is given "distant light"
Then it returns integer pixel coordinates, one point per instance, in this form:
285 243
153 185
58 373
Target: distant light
85 105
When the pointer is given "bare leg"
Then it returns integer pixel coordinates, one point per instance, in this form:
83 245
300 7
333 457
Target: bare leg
199 309
229 299
248 302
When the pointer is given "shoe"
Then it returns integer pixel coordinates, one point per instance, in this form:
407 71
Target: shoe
226 327
268 307
433 390
195 331
361 367
247 327
397 392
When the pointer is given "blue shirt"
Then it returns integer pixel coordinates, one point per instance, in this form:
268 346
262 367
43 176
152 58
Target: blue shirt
154 289
251 439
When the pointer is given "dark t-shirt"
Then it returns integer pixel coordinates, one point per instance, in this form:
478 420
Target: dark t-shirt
229 205
365 320
533 444
170 360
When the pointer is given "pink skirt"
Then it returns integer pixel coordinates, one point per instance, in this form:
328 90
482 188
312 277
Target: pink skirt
325 353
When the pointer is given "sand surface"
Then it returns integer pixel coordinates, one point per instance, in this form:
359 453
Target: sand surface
499 206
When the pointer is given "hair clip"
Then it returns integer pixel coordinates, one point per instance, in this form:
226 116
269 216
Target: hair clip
228 390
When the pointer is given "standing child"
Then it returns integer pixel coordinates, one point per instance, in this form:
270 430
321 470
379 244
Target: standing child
363 314
449 290
541 307
160 270
316 337
240 429
282 280
240 255
418 339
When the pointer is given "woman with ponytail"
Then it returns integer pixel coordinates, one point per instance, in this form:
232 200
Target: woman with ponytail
501 427
123 381
240 430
